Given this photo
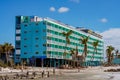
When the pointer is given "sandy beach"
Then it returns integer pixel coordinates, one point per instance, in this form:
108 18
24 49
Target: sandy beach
90 73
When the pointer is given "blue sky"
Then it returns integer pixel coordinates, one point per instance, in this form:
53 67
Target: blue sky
99 15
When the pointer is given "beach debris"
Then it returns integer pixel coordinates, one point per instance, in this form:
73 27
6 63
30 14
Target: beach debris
112 70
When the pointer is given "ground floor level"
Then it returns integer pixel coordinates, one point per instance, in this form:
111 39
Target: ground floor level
52 62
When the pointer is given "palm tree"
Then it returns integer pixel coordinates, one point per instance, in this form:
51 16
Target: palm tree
109 51
72 51
117 52
95 44
1 50
66 35
77 56
7 50
84 41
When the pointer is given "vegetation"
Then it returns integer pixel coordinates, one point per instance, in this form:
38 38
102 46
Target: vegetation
110 54
95 44
84 41
72 51
2 64
66 35
6 50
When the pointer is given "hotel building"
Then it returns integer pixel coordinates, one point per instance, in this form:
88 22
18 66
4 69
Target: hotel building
40 41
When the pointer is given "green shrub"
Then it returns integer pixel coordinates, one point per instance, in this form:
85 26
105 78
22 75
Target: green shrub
2 64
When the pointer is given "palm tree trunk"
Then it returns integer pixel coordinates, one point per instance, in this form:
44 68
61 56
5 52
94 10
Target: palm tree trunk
6 54
65 53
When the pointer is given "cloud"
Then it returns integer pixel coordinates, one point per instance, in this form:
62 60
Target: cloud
112 37
103 20
63 9
75 1
52 9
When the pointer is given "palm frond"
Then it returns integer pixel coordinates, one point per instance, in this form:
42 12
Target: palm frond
64 34
69 33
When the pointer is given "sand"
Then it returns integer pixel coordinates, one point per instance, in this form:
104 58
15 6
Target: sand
94 73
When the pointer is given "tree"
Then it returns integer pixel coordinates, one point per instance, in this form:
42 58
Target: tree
7 50
117 52
84 41
1 50
110 55
66 35
95 44
72 51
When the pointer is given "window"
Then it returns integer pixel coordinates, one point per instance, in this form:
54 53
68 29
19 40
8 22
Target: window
18 27
25 25
36 31
25 52
44 52
44 37
37 23
44 30
18 31
49 24
44 22
36 45
44 44
25 45
17 34
36 38
37 52
18 38
56 26
48 38
17 57
25 31
25 38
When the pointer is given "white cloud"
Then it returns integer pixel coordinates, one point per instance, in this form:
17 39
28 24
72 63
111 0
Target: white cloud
63 9
112 37
52 9
103 20
75 1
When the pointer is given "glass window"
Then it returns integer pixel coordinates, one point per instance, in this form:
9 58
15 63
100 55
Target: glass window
25 45
25 31
36 38
36 31
25 25
25 38
36 52
25 52
36 45
44 30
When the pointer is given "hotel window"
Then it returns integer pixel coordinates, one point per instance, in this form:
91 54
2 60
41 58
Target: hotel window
36 38
25 38
36 31
25 45
44 22
25 25
37 52
25 52
17 37
44 37
44 52
36 45
44 30
25 31
49 24
18 31
17 34
45 45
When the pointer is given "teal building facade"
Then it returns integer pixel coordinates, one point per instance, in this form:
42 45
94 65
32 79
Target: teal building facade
39 42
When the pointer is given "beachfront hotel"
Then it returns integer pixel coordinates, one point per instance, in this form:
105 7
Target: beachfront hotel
40 41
